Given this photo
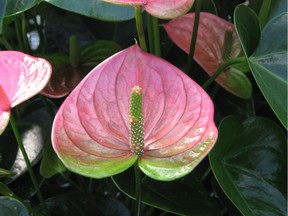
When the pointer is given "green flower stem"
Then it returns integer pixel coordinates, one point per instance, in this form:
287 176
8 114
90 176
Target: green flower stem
150 33
155 26
153 35
140 29
206 173
25 156
222 67
138 190
24 34
18 34
198 4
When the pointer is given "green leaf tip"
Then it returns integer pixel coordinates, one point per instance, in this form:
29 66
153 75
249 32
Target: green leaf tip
136 121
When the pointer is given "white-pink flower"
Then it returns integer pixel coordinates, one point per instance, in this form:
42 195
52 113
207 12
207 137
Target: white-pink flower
21 77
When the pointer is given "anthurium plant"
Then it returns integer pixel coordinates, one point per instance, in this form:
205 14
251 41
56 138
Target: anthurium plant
143 107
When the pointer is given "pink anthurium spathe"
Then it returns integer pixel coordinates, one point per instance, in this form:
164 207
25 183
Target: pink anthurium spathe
217 42
135 108
164 9
21 77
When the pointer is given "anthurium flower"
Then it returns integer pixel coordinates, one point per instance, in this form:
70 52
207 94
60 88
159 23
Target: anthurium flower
134 108
164 9
21 77
217 42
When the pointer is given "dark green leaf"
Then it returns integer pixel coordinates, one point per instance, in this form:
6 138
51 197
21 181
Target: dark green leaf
10 8
249 162
96 9
12 207
247 27
268 63
81 204
4 190
5 173
182 196
50 164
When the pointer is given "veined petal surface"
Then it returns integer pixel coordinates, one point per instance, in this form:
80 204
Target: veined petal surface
210 48
164 9
91 129
21 77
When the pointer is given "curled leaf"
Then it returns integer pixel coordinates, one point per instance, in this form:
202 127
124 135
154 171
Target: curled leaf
159 8
21 77
217 42
91 131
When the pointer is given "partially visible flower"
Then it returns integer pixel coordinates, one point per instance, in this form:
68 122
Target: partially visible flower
135 108
217 42
66 75
21 77
164 9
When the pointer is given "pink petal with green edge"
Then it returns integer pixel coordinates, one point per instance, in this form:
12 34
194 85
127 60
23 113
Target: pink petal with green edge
177 166
160 8
21 77
209 48
91 129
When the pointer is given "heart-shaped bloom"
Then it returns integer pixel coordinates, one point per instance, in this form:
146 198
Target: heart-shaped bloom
163 9
217 42
21 77
134 107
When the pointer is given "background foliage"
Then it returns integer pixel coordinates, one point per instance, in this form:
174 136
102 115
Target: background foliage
246 172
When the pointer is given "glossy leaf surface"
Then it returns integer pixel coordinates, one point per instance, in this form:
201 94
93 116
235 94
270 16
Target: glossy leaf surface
210 50
9 8
98 9
21 77
159 8
66 76
249 162
268 60
180 197
76 203
91 129
12 207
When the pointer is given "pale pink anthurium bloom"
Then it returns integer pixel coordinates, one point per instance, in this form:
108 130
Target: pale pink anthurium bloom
21 77
91 131
211 48
164 9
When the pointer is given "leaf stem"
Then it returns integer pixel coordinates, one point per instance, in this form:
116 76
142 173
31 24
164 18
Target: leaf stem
198 4
5 43
18 34
222 68
155 27
138 190
26 158
24 34
150 33
140 29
